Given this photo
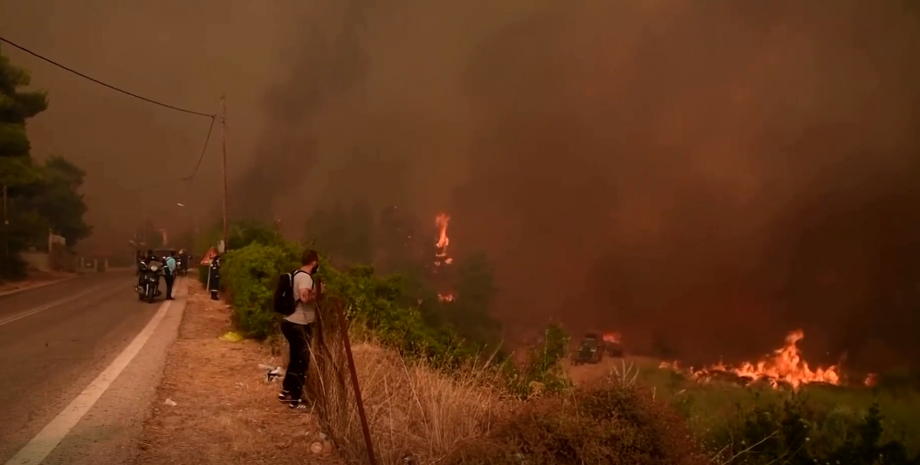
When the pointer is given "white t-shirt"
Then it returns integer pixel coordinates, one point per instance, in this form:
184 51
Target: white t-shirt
305 312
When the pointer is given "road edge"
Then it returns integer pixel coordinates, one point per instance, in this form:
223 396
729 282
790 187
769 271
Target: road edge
47 441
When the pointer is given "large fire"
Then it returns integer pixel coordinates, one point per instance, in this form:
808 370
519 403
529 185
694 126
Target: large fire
784 366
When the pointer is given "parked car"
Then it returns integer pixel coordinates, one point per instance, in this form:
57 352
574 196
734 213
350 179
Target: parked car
591 349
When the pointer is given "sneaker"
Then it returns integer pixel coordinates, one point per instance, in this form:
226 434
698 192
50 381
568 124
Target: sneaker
298 404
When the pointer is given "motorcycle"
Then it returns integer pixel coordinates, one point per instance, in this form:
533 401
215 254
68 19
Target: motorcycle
149 285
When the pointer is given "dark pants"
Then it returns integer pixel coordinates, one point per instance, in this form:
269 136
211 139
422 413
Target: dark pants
298 337
169 283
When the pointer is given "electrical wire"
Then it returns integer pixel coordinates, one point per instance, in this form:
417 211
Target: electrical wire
131 94
207 139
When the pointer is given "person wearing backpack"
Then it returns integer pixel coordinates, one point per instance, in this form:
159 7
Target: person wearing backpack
296 301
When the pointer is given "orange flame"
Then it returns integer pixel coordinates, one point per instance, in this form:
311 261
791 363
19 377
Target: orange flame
784 366
670 366
613 337
441 221
441 258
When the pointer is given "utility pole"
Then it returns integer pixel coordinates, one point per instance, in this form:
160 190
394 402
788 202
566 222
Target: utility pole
6 225
223 134
6 218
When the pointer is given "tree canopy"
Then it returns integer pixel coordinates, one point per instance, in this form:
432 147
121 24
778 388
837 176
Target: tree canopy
40 196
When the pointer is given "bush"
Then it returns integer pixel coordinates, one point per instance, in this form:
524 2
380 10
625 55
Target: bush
371 302
542 371
250 274
797 431
755 425
609 424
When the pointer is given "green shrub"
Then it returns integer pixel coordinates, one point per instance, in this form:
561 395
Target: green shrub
542 372
250 275
372 302
797 430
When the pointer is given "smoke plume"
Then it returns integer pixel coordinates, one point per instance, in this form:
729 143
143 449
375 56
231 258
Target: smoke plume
702 176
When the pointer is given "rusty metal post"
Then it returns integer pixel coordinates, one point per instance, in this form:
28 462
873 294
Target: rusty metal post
354 380
320 337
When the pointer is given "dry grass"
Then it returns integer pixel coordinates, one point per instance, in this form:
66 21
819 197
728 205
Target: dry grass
612 421
416 414
225 412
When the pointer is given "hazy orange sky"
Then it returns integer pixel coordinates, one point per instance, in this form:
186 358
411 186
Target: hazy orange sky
709 174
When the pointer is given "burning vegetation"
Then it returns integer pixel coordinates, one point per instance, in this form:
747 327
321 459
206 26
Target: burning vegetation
613 337
785 366
441 258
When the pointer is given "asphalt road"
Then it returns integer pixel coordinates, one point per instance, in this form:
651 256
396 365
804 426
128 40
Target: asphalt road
55 342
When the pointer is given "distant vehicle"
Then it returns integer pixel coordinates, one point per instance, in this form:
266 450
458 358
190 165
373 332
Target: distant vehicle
162 253
591 349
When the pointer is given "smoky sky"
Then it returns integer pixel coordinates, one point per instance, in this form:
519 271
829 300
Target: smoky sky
703 175
706 174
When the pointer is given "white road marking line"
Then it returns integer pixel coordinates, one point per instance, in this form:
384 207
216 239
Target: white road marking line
51 435
33 311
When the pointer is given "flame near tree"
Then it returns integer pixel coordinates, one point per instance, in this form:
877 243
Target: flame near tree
784 366
441 257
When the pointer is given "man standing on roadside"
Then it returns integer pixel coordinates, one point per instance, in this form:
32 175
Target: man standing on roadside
170 275
298 330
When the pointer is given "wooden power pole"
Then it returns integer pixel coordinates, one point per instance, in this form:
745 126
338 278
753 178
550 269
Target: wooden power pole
6 225
223 133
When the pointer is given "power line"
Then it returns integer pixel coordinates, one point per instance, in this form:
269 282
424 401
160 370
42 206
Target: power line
207 138
188 178
165 105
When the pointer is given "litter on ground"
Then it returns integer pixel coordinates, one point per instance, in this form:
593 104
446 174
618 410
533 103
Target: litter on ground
232 336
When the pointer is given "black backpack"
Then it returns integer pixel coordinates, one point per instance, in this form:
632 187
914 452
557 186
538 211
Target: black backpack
285 298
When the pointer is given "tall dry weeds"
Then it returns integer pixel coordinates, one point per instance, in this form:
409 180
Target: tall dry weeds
416 414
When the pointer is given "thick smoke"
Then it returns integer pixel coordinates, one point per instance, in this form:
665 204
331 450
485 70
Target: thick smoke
327 61
703 176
